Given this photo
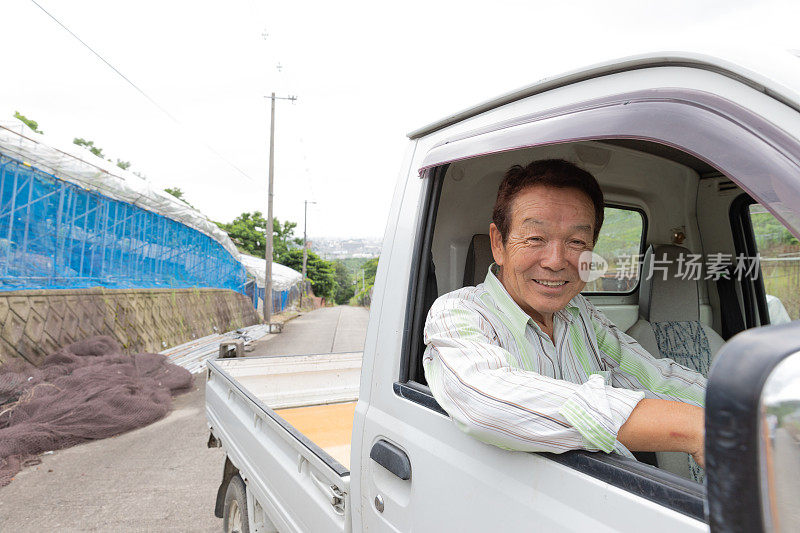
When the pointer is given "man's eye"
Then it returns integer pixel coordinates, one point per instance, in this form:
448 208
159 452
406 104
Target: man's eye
535 239
579 243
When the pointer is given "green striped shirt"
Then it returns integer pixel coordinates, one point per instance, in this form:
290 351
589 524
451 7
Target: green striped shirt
505 382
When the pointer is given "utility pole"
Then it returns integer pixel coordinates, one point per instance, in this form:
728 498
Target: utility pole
269 236
305 246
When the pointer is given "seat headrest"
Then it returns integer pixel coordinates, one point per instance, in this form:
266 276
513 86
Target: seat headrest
668 290
479 259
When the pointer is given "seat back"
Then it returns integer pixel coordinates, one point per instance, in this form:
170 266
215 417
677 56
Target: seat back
479 259
669 310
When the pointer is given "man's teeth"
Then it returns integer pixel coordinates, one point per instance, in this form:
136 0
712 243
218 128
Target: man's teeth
550 283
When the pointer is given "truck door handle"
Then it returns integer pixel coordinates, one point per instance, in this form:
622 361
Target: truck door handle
391 458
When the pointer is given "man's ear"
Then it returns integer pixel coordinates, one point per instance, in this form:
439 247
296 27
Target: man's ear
498 249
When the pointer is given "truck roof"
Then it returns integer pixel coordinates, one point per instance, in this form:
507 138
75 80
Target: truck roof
775 73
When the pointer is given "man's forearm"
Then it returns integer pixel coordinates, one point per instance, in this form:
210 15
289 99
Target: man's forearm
664 426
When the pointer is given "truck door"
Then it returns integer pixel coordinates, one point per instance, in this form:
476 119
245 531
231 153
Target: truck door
417 470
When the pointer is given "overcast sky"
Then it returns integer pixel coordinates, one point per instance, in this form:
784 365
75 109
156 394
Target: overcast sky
365 74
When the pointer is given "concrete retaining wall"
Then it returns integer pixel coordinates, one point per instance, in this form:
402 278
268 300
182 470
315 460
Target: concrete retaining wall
34 324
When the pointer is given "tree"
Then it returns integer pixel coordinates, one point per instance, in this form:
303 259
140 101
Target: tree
344 283
321 273
178 193
32 124
248 232
284 239
370 269
89 145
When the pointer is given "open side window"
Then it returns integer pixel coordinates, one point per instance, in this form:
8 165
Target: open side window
431 278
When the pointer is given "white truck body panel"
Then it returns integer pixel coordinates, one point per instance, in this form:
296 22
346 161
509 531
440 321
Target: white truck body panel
457 480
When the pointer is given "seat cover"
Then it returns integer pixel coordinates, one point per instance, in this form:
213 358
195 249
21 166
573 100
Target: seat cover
669 295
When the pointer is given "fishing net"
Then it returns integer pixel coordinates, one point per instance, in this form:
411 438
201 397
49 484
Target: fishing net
86 391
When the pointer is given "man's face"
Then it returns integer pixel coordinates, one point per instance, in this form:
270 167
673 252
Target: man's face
550 228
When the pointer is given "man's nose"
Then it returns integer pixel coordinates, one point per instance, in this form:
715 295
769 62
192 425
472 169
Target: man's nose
554 257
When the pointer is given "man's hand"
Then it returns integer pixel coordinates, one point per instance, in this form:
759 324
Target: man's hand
665 426
700 457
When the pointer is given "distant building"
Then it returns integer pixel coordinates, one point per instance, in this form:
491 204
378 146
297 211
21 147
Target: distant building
344 248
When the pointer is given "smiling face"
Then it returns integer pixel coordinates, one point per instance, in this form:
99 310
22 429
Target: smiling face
550 228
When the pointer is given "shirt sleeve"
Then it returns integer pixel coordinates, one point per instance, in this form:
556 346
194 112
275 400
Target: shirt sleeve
470 376
633 367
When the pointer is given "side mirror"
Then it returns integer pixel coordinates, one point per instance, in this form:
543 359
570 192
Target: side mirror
779 421
753 432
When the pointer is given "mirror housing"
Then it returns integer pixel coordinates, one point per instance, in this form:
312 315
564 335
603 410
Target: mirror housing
740 475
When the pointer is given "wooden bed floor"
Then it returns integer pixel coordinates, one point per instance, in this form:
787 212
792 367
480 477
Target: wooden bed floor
328 426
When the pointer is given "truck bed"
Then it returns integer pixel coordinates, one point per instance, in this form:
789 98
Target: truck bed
328 426
285 423
297 380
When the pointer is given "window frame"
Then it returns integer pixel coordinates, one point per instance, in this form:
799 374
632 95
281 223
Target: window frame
649 482
642 249
414 317
753 291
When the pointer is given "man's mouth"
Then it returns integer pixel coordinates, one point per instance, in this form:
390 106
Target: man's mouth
550 283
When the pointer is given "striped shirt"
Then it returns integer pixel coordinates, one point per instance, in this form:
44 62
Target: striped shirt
503 380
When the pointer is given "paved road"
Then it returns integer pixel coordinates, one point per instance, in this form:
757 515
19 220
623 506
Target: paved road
161 477
326 330
158 478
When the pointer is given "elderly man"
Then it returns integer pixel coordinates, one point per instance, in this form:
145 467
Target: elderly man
524 362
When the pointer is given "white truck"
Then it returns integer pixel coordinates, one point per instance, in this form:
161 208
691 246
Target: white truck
693 153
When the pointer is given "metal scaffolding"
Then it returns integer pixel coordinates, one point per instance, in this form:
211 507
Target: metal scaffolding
57 235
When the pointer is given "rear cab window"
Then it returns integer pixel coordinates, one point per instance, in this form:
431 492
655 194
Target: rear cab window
621 245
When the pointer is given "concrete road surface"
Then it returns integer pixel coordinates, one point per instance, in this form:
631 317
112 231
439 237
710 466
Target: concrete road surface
158 478
326 330
161 477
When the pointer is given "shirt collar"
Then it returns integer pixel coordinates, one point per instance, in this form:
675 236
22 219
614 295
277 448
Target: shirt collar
519 318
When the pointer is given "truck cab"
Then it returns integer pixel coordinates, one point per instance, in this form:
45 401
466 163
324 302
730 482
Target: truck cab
699 162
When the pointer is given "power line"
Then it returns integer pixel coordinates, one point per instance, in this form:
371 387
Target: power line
136 87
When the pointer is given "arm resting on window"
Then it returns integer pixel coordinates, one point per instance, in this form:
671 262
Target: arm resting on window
665 426
498 403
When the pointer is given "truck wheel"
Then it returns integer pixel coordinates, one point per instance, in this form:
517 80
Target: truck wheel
234 517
